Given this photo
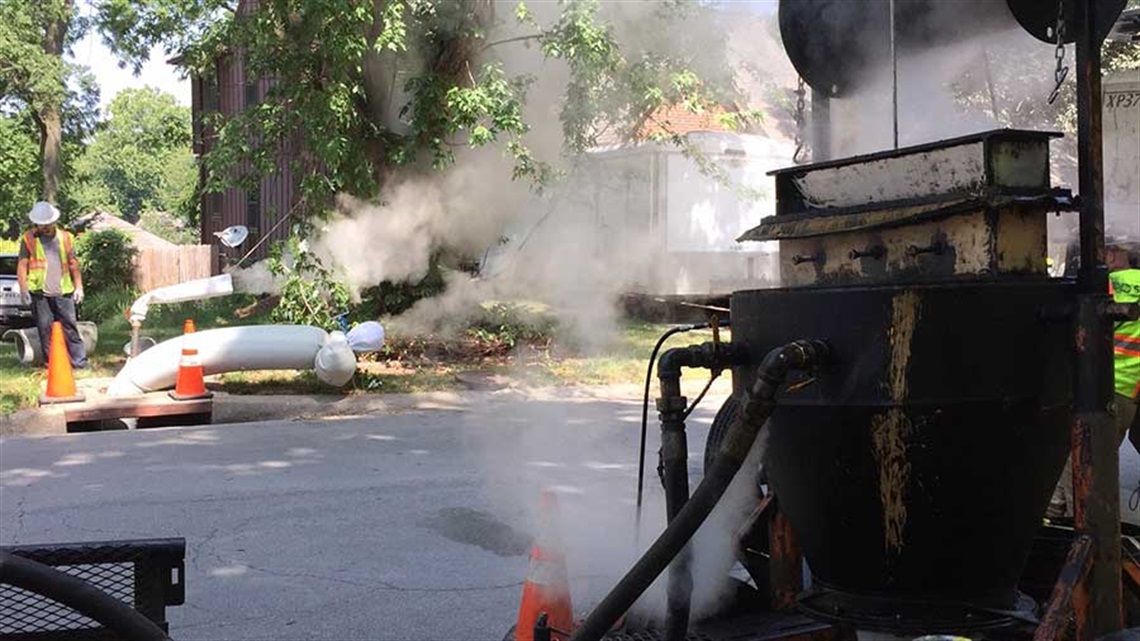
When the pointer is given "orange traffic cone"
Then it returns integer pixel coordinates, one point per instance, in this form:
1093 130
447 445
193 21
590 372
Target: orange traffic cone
547 587
60 379
190 383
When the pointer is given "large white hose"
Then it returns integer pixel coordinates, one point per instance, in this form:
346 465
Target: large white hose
232 349
222 285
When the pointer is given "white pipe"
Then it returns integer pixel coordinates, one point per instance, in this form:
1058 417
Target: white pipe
27 342
233 349
190 290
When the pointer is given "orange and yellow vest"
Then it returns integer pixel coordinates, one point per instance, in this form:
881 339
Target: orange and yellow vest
1124 285
37 264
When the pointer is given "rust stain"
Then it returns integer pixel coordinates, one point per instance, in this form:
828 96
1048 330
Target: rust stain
786 563
890 429
1080 340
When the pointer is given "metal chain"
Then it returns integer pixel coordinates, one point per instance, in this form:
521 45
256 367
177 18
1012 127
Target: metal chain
1062 71
798 156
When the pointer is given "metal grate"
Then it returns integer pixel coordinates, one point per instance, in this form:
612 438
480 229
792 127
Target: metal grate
23 612
145 574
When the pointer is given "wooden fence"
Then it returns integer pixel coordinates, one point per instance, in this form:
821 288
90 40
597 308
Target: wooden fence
160 266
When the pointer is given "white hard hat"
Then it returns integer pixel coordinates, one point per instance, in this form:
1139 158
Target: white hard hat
43 213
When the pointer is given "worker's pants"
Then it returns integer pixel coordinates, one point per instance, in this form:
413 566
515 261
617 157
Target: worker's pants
48 309
1062 502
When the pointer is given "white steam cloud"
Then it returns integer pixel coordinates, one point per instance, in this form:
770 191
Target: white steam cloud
533 448
575 266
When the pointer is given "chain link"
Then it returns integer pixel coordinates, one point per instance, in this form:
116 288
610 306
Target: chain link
1062 70
801 148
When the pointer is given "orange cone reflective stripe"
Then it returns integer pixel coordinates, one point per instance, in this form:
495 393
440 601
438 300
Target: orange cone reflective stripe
190 382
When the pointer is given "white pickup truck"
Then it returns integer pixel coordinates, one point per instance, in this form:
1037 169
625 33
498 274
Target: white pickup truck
13 313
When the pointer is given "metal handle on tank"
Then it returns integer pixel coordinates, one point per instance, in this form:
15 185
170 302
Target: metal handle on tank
937 248
876 252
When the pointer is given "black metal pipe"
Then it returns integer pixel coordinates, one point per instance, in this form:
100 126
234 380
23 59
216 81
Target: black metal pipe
1095 455
78 595
675 477
706 355
759 402
672 409
1093 274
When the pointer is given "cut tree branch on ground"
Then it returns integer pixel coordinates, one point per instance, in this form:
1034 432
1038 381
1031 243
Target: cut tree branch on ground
259 307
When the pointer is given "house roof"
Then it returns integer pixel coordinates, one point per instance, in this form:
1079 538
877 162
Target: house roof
676 119
99 220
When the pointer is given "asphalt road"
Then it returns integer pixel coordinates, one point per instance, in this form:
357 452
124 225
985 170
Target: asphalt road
405 527
412 526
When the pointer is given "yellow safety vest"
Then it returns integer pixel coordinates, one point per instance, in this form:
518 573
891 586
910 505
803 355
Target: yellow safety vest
1125 288
37 264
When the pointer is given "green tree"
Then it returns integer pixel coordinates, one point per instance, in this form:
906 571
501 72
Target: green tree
140 158
19 171
45 102
365 85
359 88
33 39
1012 84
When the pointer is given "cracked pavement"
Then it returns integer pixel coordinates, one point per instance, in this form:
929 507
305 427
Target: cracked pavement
408 526
390 527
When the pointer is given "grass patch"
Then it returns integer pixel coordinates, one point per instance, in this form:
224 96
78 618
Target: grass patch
405 365
20 386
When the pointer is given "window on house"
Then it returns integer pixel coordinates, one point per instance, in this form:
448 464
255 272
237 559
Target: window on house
252 93
214 204
253 211
209 93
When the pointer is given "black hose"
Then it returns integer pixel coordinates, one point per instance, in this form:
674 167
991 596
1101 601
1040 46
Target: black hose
758 405
78 595
645 413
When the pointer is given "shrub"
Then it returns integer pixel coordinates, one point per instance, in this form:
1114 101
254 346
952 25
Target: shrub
510 324
394 298
107 258
310 294
108 303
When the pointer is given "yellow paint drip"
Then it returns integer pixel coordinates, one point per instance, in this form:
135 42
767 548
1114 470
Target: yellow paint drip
890 429
888 433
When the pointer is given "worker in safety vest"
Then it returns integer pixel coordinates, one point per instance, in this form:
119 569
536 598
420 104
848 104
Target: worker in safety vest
48 273
1124 284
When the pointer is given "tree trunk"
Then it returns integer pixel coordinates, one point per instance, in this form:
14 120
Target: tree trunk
51 138
49 118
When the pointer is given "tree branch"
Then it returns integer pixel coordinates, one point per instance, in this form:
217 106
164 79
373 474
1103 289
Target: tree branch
509 40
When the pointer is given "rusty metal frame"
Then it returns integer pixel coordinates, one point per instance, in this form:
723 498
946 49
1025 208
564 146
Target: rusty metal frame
1130 574
1066 598
761 511
1097 598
